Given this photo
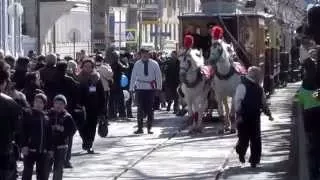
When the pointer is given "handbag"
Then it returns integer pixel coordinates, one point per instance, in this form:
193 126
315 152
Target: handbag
103 128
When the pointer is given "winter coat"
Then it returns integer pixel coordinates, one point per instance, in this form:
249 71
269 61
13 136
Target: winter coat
68 87
92 95
10 123
38 140
19 77
106 75
47 76
119 68
64 119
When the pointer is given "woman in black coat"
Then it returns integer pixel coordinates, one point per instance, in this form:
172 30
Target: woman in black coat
93 99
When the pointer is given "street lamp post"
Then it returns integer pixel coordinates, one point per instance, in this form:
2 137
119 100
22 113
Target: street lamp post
16 10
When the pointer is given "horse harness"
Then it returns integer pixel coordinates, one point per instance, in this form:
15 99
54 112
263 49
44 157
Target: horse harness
184 78
221 76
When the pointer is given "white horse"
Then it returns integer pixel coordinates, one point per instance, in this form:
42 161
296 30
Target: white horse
225 81
195 86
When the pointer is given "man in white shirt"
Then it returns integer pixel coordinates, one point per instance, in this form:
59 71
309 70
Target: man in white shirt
146 79
249 101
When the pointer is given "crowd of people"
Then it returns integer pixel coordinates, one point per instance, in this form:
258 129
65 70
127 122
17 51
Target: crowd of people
44 100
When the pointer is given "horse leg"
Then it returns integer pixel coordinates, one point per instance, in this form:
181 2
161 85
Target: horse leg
233 116
227 123
202 109
191 117
220 112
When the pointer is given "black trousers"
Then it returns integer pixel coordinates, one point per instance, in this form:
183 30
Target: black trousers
129 106
8 167
88 131
69 150
42 164
116 104
249 130
312 128
58 163
145 99
107 95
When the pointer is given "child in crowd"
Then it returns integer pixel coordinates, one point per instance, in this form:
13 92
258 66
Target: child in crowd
36 140
62 128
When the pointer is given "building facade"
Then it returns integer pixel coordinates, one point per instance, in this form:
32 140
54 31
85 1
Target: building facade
10 27
155 21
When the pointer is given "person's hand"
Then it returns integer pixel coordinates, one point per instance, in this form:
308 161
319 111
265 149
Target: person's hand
25 151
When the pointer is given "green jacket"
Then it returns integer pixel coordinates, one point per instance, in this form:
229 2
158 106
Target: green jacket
306 99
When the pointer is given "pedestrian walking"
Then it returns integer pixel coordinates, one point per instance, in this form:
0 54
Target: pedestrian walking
93 99
36 143
62 126
146 79
106 75
249 101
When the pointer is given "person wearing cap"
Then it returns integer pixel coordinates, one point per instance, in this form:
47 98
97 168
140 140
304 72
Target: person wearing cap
146 79
36 144
249 101
62 127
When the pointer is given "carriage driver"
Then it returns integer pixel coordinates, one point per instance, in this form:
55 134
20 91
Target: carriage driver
249 101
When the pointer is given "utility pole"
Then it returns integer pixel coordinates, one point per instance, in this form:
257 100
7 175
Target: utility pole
140 23
38 27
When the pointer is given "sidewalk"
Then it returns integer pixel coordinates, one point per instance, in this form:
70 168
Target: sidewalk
277 143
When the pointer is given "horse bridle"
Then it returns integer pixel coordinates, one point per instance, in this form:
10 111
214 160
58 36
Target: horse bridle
218 74
183 77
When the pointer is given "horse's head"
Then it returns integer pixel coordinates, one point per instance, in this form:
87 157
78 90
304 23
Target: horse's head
220 51
190 60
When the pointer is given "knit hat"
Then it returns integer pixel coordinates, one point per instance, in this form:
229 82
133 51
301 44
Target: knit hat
60 97
254 73
41 96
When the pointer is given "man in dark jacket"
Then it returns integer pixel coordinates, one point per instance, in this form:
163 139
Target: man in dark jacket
47 76
128 74
9 125
172 81
119 67
62 128
249 101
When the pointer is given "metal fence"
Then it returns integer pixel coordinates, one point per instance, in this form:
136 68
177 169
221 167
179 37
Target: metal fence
68 48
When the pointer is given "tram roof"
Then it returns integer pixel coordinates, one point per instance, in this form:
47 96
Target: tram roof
231 14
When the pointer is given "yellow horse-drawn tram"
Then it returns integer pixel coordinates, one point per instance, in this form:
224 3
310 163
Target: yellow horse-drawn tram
255 37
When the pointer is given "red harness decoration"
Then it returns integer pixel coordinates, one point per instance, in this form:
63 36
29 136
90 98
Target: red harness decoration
207 71
240 68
